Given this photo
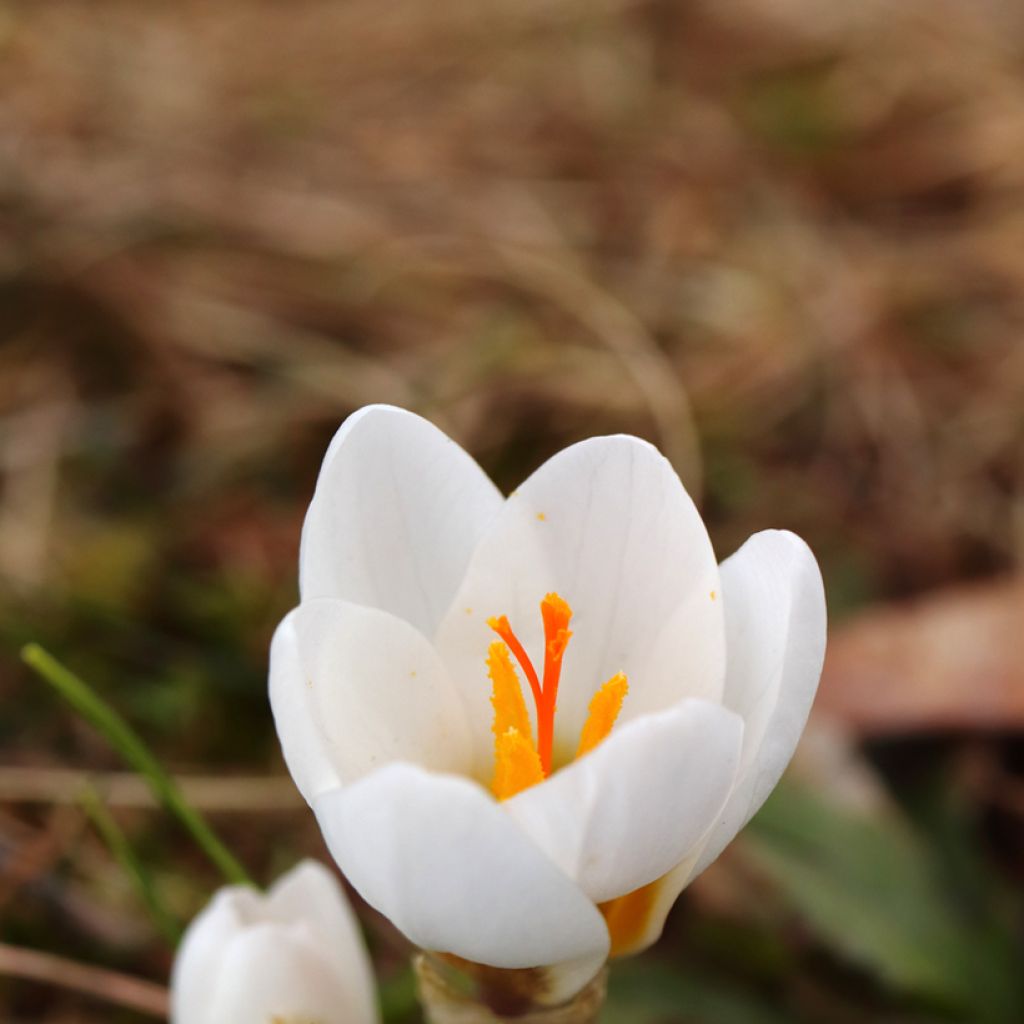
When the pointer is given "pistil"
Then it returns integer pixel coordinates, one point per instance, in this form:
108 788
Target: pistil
556 614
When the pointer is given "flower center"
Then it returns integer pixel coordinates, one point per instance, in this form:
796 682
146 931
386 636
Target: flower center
519 762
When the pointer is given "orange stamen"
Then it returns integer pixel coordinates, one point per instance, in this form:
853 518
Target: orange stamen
520 763
506 694
605 706
516 764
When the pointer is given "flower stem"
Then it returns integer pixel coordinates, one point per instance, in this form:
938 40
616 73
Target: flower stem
444 1003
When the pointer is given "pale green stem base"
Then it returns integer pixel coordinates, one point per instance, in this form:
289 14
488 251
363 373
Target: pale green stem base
443 1003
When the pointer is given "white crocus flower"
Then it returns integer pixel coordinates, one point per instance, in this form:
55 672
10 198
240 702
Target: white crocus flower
294 956
483 819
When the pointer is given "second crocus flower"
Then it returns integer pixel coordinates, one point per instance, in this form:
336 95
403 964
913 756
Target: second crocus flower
292 956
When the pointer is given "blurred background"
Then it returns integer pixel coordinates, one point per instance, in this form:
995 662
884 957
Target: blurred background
782 239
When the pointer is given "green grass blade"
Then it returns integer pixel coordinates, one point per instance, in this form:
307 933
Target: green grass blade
112 834
123 738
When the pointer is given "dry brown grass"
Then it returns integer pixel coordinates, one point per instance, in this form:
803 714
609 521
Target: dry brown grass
784 240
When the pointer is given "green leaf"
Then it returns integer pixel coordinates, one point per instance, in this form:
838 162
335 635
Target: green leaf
644 993
872 890
112 834
127 742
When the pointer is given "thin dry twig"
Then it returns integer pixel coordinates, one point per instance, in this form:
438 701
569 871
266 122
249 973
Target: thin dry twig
110 986
125 789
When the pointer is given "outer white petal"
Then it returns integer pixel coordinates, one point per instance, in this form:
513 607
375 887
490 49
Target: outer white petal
311 893
607 524
397 511
776 624
366 688
775 632
296 718
197 964
440 858
630 810
282 973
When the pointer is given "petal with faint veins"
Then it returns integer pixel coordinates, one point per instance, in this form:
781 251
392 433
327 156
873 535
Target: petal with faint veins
439 857
296 716
397 511
607 525
353 688
775 633
774 603
630 810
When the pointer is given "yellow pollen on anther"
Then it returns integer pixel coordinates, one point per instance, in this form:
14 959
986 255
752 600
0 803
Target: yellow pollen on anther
516 764
605 706
506 694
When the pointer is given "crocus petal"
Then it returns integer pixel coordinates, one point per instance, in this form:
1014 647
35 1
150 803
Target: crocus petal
197 964
630 810
353 688
775 632
606 524
311 893
774 603
296 718
440 858
276 973
397 511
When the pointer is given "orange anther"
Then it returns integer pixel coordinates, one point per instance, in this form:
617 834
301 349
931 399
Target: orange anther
605 706
516 764
506 694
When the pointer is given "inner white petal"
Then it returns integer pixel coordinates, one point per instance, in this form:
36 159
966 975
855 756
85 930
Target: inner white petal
608 526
